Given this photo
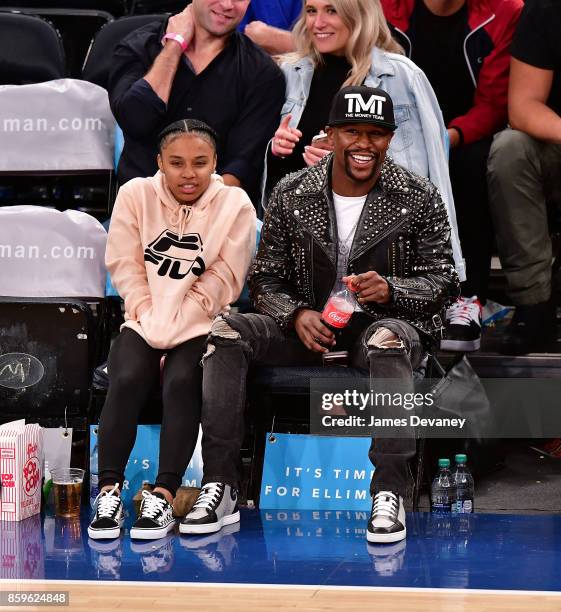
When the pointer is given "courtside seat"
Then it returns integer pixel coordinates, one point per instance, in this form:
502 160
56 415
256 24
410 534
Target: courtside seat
52 313
76 28
278 398
115 7
296 380
31 50
59 136
141 7
97 64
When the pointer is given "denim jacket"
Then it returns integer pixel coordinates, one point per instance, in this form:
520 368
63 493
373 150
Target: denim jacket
420 142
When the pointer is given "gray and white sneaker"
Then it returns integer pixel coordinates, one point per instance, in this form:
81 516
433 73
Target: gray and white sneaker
387 521
109 515
155 518
216 506
388 559
217 550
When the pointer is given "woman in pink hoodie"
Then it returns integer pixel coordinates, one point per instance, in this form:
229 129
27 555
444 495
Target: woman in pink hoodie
179 247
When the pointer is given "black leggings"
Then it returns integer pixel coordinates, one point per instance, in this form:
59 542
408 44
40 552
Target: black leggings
134 374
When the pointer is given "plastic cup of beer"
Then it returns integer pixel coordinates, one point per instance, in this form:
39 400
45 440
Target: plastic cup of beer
67 491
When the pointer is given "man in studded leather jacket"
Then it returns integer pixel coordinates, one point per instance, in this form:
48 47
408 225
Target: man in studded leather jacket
398 265
403 235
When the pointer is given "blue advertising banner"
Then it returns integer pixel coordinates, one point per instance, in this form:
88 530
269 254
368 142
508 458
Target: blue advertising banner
143 462
316 473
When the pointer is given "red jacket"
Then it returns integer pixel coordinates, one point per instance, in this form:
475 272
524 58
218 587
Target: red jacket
487 51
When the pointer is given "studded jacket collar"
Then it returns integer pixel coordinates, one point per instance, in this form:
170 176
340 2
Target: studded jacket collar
402 233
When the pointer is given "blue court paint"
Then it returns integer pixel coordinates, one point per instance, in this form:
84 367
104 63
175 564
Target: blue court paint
322 547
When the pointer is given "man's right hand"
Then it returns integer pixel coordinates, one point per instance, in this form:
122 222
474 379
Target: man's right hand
182 24
285 138
314 335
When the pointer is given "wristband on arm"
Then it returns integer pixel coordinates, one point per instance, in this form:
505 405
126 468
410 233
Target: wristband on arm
178 39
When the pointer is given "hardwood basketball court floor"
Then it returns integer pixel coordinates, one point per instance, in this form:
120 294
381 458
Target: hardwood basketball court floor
306 560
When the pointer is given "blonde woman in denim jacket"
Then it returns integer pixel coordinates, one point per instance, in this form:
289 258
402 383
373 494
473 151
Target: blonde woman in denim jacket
353 38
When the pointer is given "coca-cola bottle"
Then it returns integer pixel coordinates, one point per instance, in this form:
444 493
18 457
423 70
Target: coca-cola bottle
338 310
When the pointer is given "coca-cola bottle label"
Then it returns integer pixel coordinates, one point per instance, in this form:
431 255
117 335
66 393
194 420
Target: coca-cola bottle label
334 316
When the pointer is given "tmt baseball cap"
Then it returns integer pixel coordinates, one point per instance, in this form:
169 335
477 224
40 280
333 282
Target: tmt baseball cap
361 104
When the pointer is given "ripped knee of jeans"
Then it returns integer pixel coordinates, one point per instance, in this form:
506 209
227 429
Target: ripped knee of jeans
220 329
384 338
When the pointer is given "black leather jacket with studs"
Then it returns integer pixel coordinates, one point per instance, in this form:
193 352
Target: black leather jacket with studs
403 234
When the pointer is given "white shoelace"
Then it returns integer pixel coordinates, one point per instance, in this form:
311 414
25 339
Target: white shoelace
107 503
385 504
151 505
209 495
463 311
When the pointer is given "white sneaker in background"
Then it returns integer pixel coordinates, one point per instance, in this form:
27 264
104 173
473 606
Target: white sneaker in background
462 327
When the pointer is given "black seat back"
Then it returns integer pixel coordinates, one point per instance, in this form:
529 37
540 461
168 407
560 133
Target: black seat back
49 349
30 50
142 7
115 7
99 58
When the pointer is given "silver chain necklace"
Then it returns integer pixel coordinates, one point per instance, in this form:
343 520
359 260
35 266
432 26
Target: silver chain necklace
343 246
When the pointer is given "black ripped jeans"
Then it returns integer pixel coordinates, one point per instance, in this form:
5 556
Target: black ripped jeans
257 339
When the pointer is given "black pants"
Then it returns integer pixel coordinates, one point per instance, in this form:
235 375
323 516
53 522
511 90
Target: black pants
134 375
240 340
468 174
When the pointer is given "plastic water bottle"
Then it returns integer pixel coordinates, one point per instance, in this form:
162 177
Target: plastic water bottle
94 477
463 483
442 490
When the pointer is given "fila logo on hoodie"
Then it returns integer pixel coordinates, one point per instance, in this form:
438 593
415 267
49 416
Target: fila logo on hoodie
176 256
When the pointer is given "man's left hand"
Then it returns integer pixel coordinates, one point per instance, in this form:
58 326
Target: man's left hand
369 287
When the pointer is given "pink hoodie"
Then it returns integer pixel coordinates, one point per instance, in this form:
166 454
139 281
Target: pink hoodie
178 266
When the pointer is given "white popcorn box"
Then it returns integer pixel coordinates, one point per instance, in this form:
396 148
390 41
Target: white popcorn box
21 470
22 551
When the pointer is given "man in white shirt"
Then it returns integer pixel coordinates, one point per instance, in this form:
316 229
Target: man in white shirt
358 220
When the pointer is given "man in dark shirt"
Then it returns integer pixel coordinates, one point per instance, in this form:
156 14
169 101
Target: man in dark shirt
463 47
197 66
524 175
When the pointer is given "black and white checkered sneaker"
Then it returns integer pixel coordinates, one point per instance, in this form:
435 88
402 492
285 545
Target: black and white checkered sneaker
109 515
216 506
155 518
